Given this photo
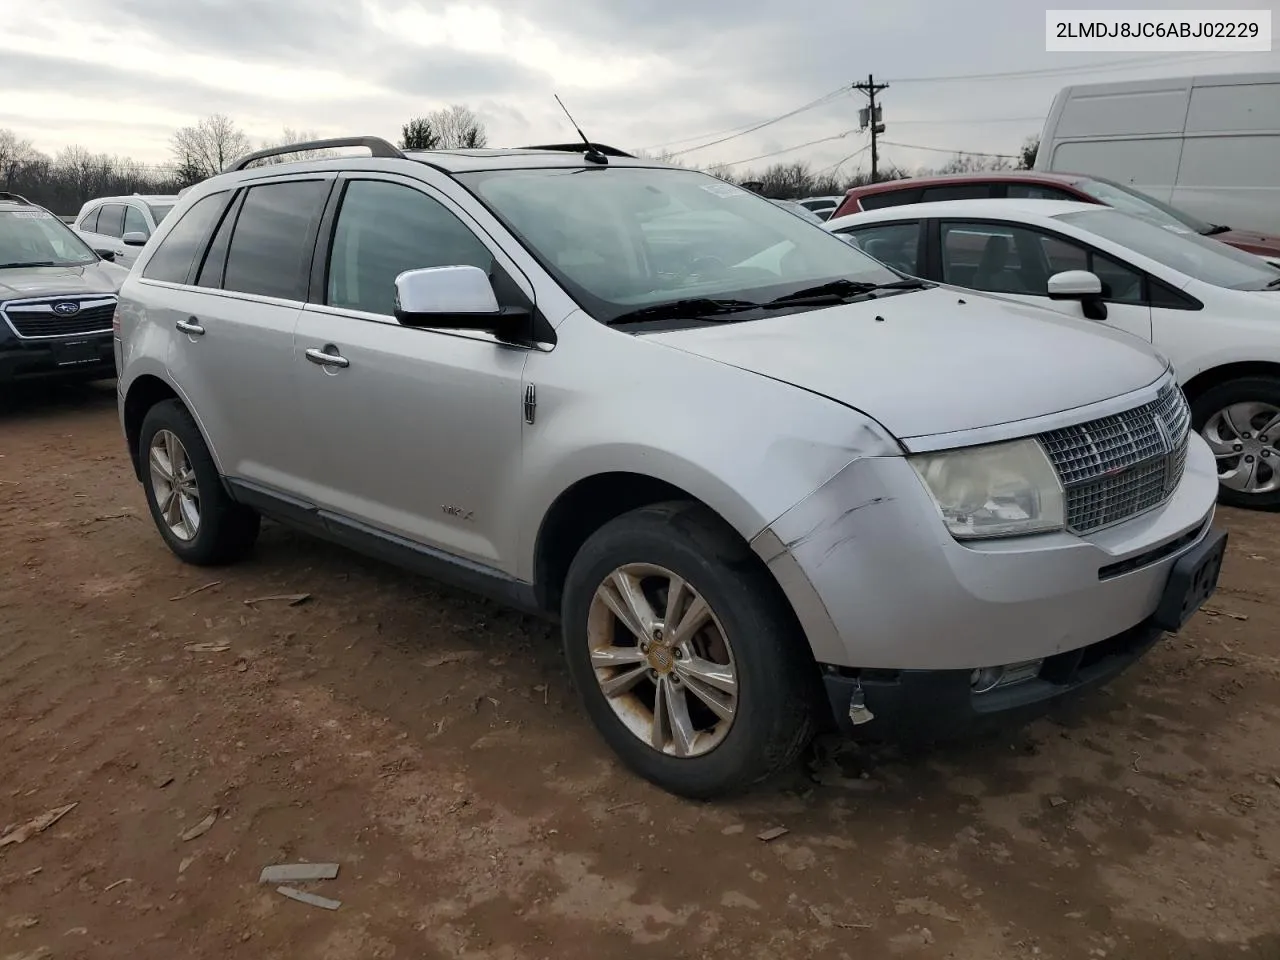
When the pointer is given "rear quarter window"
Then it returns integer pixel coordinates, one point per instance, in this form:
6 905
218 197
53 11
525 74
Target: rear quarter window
889 198
179 249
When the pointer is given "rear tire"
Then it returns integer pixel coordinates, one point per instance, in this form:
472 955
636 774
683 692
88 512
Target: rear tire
728 646
1240 420
199 521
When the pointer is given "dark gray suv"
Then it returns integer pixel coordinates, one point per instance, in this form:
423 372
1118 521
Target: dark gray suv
57 298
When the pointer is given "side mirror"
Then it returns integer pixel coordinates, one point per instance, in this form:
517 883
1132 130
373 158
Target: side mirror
1079 285
457 298
107 255
135 238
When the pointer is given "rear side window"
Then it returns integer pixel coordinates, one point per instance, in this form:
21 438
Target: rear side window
270 253
178 251
1036 191
958 191
889 198
111 220
90 223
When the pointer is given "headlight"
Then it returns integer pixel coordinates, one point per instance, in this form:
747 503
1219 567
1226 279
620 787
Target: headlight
1000 490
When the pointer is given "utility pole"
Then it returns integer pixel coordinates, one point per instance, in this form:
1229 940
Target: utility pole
872 118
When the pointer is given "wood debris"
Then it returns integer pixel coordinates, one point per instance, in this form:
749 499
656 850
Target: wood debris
191 593
297 872
773 833
201 828
293 599
323 902
38 825
214 646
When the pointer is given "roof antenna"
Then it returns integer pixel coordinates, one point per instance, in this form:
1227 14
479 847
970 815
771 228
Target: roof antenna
593 154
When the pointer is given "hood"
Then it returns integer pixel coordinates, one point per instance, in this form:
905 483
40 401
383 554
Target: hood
1260 243
935 361
22 283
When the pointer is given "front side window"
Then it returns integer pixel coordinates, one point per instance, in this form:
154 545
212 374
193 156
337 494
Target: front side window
36 238
111 220
623 238
1207 260
384 229
1140 205
270 252
135 222
897 244
179 248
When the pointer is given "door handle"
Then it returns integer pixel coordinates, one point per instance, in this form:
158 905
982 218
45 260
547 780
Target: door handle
191 326
326 359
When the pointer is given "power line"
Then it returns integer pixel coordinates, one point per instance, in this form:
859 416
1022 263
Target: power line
1061 71
1039 119
760 126
840 163
798 146
964 153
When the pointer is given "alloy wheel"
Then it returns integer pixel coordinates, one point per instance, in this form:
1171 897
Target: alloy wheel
173 483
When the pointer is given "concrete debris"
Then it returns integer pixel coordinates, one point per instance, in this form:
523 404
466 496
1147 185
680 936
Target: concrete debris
201 828
297 872
773 833
322 902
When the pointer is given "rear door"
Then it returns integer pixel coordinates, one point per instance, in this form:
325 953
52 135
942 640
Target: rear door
234 321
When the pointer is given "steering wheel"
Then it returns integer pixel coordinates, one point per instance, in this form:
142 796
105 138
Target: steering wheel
699 266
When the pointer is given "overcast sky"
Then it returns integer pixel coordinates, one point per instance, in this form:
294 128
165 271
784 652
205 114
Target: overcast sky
120 75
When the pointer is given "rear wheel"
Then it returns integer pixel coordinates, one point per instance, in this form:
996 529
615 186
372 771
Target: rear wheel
684 654
190 506
1240 420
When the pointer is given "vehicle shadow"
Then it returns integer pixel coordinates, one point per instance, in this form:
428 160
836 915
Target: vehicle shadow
22 401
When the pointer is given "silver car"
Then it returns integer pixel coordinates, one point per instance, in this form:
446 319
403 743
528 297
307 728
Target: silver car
122 225
765 483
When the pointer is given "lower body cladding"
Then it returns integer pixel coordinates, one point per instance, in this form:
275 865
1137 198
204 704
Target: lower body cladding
922 637
86 358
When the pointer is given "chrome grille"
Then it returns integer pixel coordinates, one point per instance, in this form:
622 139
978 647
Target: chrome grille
40 319
1116 467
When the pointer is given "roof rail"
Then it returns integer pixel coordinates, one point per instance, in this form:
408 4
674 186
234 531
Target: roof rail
604 148
14 197
376 145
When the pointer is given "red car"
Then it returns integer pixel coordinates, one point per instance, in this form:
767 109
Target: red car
1039 185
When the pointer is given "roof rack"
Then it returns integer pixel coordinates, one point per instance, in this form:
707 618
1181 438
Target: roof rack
376 145
14 198
604 148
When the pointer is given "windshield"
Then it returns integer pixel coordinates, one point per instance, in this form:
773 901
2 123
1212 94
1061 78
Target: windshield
1206 260
624 238
38 238
159 211
1132 201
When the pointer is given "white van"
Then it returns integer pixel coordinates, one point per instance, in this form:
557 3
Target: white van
1208 145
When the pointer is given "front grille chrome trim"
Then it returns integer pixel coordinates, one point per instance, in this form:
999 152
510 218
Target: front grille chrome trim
1116 467
41 309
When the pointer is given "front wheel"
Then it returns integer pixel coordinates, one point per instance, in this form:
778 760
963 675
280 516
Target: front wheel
684 653
1240 420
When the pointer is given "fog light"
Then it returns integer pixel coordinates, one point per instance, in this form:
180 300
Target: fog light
1018 672
985 679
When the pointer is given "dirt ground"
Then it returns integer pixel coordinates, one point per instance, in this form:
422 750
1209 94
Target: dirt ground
430 744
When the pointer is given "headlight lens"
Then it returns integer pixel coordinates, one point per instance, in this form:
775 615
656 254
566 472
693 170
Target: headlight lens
1000 490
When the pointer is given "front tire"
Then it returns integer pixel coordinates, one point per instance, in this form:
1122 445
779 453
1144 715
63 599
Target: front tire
684 652
1240 420
190 507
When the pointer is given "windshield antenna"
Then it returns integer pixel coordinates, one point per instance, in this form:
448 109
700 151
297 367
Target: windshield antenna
593 153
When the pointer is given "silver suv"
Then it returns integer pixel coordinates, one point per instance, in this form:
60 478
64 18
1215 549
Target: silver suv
765 483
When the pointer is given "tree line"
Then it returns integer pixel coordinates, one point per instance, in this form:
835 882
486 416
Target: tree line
74 175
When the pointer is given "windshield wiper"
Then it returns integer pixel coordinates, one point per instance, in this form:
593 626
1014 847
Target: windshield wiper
689 308
1215 229
1273 284
837 291
31 263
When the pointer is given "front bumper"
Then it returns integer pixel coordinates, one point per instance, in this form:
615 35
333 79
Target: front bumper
90 357
877 582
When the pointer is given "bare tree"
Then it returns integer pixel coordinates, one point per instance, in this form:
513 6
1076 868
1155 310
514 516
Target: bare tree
206 148
290 136
458 127
14 154
419 134
1030 148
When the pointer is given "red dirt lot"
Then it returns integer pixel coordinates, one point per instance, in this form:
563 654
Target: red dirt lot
430 744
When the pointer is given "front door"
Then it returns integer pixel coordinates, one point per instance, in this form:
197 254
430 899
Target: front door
1017 262
416 432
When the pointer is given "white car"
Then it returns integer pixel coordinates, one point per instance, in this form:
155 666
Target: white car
121 226
1214 311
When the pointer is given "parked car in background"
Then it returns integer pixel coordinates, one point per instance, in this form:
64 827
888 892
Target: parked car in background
57 298
1212 310
1209 145
1038 185
122 225
824 207
732 475
801 211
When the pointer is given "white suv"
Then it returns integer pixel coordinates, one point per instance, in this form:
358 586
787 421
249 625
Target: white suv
764 482
121 226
